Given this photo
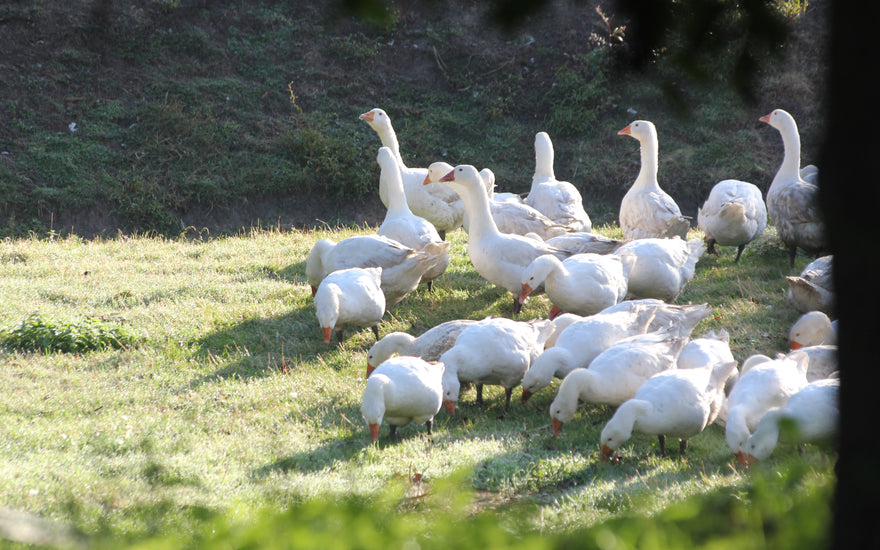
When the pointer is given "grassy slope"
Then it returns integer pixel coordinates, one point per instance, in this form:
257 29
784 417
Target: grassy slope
238 114
231 399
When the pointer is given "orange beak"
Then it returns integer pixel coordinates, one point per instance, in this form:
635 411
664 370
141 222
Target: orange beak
327 331
374 431
450 406
449 177
368 116
745 459
606 453
524 295
525 395
370 369
796 345
427 180
625 131
314 290
765 118
557 426
554 312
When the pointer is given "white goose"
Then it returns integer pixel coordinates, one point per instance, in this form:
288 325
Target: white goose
350 297
584 283
580 242
558 200
822 361
498 257
814 410
579 343
492 351
677 403
813 289
659 268
400 224
510 216
647 211
402 390
708 350
433 202
616 374
560 323
402 267
734 214
811 329
793 204
429 346
760 388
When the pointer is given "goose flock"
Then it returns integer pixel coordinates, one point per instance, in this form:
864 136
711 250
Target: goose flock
613 334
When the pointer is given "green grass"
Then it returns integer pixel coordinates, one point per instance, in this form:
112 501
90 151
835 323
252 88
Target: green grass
229 404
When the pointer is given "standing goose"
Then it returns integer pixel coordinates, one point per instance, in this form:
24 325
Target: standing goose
510 216
677 403
793 204
402 267
435 203
400 223
558 200
733 215
402 390
647 211
350 297
500 258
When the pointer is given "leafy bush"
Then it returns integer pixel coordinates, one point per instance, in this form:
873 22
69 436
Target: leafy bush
37 333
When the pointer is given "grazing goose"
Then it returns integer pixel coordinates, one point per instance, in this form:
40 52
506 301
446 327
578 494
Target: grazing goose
813 410
400 224
647 211
811 329
584 283
710 349
813 290
659 268
350 297
428 346
761 387
492 351
673 403
433 202
580 342
402 267
560 323
558 200
510 216
793 204
616 374
498 257
733 215
402 390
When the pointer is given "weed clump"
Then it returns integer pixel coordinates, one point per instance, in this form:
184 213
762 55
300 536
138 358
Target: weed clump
38 333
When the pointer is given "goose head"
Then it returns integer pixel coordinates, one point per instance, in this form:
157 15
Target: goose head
464 177
437 170
376 118
640 129
779 119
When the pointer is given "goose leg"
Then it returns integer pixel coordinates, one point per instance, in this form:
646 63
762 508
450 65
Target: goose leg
479 394
710 247
792 252
517 305
339 335
393 433
430 285
739 252
429 424
507 393
682 446
662 439
376 331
